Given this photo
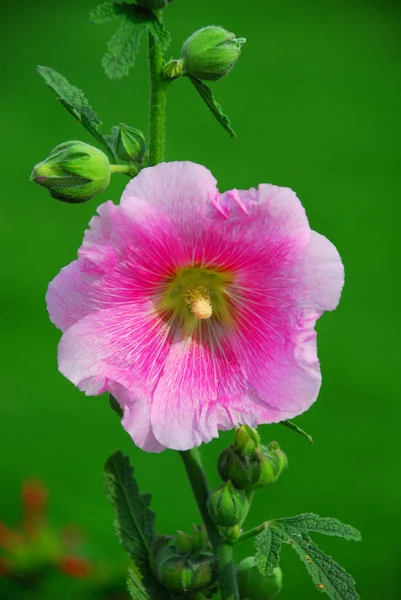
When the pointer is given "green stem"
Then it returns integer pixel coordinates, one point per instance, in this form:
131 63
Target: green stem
126 169
223 551
158 96
252 532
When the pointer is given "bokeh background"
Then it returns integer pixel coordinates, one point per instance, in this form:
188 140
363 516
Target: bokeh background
315 100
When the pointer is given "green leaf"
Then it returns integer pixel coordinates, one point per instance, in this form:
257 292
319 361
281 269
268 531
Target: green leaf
103 13
268 546
160 32
326 525
123 48
74 100
135 586
297 429
207 96
328 576
135 522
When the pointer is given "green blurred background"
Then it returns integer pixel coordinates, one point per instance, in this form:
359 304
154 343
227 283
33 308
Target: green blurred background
315 100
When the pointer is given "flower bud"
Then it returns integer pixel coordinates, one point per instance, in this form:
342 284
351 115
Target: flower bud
210 53
74 172
130 144
252 585
227 506
173 69
183 543
254 469
200 540
246 440
181 575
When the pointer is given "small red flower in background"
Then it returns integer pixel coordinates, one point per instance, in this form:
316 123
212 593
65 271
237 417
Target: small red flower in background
75 566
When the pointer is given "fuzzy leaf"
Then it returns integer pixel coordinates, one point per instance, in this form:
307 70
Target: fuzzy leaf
268 546
328 576
74 100
122 49
135 587
207 96
160 32
326 525
103 13
135 522
297 429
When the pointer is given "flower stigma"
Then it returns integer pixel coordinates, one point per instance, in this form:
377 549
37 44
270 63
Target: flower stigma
198 299
196 294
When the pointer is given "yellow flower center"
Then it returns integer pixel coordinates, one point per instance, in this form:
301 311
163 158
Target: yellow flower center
198 299
196 294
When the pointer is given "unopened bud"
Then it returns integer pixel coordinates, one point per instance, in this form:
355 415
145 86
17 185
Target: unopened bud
74 172
254 469
200 540
210 53
246 440
181 575
130 144
173 69
227 506
252 585
183 543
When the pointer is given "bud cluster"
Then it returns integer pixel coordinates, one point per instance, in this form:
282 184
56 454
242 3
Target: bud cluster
248 464
185 564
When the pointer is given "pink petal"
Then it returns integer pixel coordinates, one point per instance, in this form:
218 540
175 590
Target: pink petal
197 377
136 419
182 190
281 367
128 250
127 345
324 273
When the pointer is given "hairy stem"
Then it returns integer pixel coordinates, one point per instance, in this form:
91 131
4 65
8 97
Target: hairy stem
252 532
158 96
223 551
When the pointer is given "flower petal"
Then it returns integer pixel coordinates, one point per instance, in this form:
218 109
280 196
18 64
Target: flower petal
183 190
282 370
324 273
127 345
200 372
136 419
125 255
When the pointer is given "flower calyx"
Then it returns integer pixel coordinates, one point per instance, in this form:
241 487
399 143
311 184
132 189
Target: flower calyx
185 564
250 465
210 53
130 144
73 172
227 505
252 585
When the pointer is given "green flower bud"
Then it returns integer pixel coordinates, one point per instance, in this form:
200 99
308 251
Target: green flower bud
210 53
183 543
253 470
252 585
181 575
200 540
227 506
74 172
130 144
173 69
246 440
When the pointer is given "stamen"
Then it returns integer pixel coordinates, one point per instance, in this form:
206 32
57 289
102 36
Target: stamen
198 299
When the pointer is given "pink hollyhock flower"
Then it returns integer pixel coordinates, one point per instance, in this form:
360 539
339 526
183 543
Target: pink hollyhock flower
196 309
